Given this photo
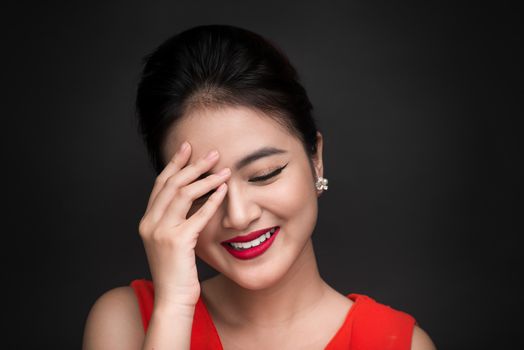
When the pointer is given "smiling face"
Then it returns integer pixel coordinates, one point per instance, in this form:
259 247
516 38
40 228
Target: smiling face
276 189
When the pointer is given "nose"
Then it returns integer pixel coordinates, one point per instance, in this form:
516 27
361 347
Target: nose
241 210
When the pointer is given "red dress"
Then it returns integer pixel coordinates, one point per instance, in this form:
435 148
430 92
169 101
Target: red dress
368 325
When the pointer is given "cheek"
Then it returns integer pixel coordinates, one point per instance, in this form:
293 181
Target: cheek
293 195
209 236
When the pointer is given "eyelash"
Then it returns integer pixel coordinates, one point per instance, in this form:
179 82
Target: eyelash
268 176
255 179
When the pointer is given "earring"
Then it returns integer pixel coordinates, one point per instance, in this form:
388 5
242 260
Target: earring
321 184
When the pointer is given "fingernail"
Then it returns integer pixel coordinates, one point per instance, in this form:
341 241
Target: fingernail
212 155
184 146
224 172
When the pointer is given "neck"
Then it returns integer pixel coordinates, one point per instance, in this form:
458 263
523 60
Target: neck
297 294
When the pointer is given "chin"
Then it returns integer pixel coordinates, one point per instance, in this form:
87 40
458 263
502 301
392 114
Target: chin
252 278
254 281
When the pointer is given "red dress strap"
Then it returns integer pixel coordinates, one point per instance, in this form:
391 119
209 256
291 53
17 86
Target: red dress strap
145 295
379 327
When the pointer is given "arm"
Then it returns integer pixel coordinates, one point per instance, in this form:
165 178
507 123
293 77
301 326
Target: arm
170 328
169 238
114 323
421 340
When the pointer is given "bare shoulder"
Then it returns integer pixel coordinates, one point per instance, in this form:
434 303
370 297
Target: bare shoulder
421 340
114 322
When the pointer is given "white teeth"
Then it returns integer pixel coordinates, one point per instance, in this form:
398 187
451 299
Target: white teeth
255 242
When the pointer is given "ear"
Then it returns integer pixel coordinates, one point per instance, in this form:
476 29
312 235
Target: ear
317 158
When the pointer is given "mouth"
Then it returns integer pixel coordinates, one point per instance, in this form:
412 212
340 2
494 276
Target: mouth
251 245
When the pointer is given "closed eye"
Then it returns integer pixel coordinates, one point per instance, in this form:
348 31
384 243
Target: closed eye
255 179
268 176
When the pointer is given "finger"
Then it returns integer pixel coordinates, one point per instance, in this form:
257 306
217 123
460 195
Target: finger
192 171
177 162
191 196
200 219
169 192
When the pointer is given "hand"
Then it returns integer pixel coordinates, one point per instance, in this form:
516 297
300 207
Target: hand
170 237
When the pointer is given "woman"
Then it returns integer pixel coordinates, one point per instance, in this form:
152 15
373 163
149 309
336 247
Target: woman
229 129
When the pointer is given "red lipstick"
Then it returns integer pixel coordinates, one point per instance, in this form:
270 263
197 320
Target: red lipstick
254 251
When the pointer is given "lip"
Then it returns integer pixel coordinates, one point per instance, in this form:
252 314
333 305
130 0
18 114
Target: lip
249 237
252 252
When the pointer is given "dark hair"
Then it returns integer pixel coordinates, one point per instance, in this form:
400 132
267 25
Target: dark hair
219 65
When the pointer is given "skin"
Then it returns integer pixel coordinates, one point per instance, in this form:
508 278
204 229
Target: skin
254 303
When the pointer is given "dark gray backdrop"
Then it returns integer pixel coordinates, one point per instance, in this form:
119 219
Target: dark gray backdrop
417 105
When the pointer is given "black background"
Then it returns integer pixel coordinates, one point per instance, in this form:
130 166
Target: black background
418 105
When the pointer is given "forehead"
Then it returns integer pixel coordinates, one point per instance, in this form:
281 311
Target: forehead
233 131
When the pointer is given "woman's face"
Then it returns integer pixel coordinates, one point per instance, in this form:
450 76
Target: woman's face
253 201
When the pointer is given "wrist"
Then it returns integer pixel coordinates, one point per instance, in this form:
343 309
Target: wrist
174 309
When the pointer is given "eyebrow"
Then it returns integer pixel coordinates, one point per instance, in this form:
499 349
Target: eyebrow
252 157
260 153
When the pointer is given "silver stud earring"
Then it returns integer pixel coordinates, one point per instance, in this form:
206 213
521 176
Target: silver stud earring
321 184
